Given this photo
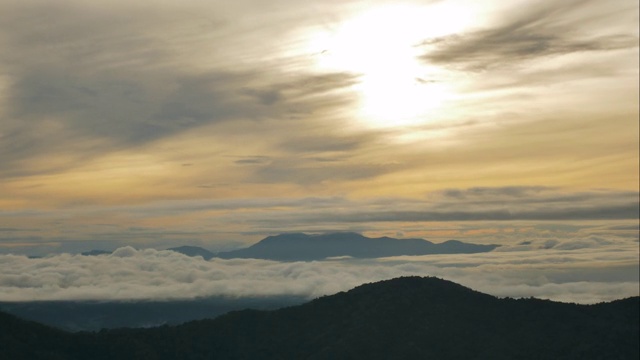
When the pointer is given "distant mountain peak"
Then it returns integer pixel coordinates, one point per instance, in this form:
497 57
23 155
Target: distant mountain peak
405 285
193 251
95 252
314 236
307 247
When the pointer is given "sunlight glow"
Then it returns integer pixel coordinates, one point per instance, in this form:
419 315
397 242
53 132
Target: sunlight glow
383 46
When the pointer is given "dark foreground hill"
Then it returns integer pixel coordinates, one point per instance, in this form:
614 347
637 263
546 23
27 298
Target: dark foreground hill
96 315
404 318
305 247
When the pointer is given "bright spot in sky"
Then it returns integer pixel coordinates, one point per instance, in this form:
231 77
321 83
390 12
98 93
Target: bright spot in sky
382 46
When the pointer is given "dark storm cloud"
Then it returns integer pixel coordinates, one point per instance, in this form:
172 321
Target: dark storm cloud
547 31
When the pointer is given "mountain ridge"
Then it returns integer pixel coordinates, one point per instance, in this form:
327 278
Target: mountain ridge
409 317
193 251
307 247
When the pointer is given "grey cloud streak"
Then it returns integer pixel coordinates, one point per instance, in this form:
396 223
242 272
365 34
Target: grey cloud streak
629 211
561 213
304 172
547 31
485 204
554 210
99 79
96 116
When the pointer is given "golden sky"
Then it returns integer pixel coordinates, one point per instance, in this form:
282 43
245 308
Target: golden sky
216 123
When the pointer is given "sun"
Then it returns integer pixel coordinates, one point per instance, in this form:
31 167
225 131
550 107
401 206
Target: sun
381 45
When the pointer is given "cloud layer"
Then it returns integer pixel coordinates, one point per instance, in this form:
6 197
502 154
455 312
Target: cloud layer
592 272
148 125
491 215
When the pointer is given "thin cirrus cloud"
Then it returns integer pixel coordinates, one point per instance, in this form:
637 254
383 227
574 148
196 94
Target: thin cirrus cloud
104 88
480 203
550 29
143 114
493 204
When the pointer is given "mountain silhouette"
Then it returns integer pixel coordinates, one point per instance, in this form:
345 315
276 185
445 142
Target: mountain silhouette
95 253
305 247
403 318
193 251
96 315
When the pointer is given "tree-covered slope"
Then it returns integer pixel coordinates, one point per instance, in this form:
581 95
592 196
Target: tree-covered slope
404 318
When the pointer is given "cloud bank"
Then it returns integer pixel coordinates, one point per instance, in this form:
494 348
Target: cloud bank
585 274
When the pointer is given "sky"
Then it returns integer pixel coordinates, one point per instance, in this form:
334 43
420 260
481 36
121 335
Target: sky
214 123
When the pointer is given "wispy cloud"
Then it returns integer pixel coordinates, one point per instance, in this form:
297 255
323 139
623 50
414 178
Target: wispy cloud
82 87
545 29
483 204
116 113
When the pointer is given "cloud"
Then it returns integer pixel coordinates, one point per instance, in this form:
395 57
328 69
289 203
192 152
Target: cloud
569 243
324 143
495 203
103 79
582 275
498 215
90 114
483 204
104 105
253 160
626 211
550 29
304 172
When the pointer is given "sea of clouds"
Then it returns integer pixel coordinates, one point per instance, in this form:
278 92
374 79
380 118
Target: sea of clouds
585 272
